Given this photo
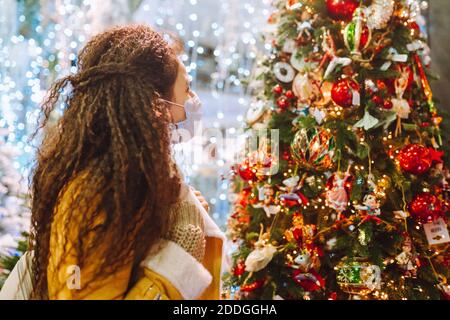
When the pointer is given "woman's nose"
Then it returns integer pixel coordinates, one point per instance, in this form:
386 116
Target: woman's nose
191 93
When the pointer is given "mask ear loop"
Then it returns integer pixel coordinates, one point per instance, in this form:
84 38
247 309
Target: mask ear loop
173 123
170 113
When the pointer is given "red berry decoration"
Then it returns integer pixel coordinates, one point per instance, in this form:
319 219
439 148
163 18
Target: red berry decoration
289 94
377 100
386 85
388 105
278 89
417 159
426 207
252 286
343 91
381 85
282 103
342 9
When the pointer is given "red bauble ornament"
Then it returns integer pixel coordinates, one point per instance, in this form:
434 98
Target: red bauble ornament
342 9
426 207
278 89
246 171
415 159
343 91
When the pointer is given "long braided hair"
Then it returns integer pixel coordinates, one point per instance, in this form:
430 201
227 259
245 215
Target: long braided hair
115 128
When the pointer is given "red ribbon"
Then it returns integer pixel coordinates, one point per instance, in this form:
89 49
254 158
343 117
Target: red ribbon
372 218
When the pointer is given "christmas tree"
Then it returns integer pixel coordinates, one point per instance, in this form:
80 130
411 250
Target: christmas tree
357 206
14 211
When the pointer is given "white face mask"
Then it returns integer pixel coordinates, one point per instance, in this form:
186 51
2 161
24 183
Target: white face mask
185 130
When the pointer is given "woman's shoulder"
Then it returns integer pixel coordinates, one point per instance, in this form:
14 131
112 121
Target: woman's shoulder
75 186
75 206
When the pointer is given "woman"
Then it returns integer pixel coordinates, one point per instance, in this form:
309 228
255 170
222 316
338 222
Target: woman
111 218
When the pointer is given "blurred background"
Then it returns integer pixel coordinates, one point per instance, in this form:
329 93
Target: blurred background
39 42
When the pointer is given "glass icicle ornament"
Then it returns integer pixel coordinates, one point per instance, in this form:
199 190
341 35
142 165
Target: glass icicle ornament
379 13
